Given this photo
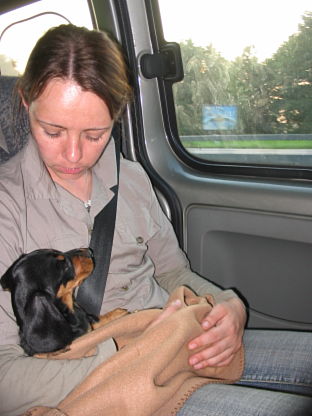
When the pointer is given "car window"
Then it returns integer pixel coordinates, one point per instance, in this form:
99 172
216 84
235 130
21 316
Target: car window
21 28
246 93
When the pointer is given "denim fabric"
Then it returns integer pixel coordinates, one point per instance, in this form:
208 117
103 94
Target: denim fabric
278 364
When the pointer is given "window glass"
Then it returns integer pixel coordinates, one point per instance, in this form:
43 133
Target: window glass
21 28
246 96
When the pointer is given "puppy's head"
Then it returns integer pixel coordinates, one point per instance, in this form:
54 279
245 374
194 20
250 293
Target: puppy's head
39 283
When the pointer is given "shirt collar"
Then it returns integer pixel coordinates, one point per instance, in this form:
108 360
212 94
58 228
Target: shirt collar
105 170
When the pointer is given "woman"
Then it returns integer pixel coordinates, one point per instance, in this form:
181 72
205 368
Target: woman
50 193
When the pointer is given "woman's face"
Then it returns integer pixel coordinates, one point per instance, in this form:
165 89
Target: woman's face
71 128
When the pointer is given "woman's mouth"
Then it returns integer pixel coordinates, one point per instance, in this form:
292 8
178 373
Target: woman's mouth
70 171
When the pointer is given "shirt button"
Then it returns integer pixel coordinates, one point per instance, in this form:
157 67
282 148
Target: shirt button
140 240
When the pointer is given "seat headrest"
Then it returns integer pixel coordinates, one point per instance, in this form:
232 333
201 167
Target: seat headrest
14 125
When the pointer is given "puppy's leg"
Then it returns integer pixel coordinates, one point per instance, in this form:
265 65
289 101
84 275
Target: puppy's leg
109 316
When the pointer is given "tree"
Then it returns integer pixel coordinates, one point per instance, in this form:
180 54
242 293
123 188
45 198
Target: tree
271 97
7 66
290 74
248 81
205 82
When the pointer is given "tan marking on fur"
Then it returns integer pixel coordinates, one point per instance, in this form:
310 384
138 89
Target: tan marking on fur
65 293
109 316
83 267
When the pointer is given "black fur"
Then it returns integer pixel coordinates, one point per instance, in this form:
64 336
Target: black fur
46 321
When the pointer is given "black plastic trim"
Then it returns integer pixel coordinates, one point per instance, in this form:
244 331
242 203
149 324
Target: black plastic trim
165 64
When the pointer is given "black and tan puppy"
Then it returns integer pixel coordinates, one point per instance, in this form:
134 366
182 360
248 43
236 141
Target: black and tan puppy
42 287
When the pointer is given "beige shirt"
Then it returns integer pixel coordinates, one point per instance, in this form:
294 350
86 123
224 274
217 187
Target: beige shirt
146 261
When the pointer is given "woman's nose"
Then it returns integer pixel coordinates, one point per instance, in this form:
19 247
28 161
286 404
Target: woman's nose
73 149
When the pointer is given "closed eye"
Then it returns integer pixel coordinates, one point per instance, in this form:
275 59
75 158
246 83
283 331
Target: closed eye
53 135
68 265
93 139
95 135
65 264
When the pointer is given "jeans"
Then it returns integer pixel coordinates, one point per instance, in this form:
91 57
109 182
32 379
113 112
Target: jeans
277 380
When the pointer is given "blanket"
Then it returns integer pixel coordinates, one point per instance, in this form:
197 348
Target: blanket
149 375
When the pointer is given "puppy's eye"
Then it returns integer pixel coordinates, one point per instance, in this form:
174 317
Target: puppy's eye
68 267
63 263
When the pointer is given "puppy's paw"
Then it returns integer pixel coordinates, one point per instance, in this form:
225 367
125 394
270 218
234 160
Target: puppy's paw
110 316
52 355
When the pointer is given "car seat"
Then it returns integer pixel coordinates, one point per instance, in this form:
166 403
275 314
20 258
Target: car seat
14 125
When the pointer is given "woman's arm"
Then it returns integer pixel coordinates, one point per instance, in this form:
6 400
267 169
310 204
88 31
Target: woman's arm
224 326
27 381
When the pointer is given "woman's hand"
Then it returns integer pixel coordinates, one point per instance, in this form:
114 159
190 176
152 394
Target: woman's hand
224 328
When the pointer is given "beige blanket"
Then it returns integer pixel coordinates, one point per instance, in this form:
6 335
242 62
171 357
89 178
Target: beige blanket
150 374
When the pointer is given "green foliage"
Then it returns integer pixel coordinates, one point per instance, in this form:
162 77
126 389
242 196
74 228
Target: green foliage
249 144
205 81
271 97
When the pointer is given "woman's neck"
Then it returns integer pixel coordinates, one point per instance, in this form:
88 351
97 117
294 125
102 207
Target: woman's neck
80 187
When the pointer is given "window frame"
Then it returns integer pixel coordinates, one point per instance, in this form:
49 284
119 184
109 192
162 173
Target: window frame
169 117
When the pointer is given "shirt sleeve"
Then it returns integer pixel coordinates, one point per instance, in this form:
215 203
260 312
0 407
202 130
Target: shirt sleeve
10 250
11 241
26 381
185 277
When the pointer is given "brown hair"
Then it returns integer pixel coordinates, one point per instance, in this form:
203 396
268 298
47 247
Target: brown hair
88 57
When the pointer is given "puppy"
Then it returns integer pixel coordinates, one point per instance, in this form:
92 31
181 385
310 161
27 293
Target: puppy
42 285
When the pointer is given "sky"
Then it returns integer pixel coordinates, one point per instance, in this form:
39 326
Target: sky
231 25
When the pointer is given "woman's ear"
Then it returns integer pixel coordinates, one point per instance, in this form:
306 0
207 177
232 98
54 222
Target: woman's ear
25 104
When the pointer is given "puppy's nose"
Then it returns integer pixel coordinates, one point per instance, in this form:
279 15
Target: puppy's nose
90 253
87 252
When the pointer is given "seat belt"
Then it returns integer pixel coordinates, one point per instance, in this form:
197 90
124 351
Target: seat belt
91 292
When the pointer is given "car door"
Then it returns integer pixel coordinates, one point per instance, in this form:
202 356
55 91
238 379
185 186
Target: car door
242 214
225 140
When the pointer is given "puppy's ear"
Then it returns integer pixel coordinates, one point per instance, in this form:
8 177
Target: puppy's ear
44 329
7 280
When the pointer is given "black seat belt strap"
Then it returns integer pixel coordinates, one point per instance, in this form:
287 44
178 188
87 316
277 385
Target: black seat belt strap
91 292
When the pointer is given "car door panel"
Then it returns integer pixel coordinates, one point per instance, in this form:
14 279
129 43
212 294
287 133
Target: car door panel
265 256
